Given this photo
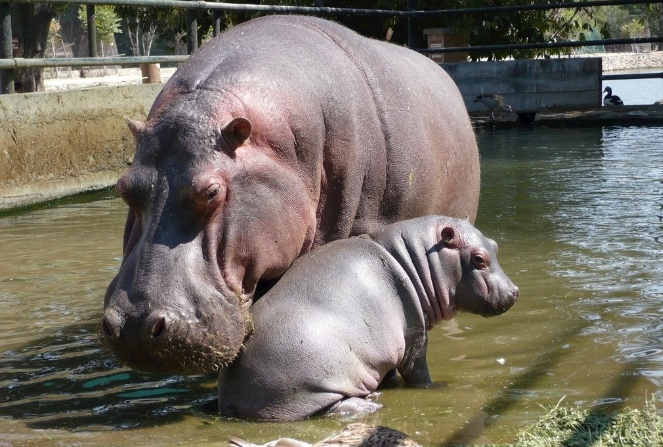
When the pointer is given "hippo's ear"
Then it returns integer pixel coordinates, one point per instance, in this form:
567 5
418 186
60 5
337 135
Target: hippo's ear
236 132
448 237
136 127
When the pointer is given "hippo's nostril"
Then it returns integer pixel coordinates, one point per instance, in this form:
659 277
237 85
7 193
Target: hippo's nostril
158 327
107 331
111 324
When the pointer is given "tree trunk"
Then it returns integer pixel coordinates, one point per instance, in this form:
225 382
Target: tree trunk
72 31
30 23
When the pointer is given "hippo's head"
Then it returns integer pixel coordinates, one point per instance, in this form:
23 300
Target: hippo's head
452 266
483 288
217 202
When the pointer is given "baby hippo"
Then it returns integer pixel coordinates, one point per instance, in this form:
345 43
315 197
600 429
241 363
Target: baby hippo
349 312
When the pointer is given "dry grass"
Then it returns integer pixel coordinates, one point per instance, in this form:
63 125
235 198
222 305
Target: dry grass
574 427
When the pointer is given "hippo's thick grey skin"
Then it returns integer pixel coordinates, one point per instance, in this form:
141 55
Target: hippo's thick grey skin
349 312
280 135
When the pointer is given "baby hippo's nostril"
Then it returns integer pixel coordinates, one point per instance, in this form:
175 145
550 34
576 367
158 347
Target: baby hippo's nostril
158 327
111 324
514 293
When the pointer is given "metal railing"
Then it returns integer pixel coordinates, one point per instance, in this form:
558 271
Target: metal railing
19 62
8 64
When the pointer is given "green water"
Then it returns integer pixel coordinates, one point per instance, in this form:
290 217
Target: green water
577 214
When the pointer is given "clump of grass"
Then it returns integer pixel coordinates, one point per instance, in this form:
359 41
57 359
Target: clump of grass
574 427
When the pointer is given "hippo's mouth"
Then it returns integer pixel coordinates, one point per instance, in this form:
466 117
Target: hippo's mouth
186 356
172 344
487 297
498 299
195 352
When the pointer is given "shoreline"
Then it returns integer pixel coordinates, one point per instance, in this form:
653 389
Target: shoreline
628 61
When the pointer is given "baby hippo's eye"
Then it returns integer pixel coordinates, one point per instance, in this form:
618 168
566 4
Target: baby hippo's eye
480 260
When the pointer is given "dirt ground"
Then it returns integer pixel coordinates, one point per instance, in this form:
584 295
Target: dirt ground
71 79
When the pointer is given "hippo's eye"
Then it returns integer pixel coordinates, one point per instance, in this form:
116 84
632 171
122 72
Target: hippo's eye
212 192
479 261
207 193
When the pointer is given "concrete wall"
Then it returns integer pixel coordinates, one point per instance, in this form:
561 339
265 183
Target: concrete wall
541 84
55 144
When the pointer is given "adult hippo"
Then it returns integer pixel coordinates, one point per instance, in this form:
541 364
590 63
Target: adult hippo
280 135
347 313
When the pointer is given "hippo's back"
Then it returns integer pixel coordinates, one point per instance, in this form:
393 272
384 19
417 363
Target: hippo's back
383 131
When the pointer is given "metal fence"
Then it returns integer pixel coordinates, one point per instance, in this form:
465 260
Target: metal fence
8 63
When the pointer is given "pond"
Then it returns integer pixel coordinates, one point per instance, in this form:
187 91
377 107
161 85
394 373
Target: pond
578 215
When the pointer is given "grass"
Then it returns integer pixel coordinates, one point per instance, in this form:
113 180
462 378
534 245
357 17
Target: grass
575 427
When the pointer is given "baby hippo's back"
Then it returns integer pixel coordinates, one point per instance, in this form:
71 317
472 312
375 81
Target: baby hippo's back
331 328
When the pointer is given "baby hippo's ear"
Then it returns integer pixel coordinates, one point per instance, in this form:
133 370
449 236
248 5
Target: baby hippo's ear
449 238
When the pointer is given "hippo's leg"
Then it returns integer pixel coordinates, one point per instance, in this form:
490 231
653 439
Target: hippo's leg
354 406
415 371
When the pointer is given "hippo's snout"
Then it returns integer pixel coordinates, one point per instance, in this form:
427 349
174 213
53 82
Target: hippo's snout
112 323
166 342
488 292
155 329
503 301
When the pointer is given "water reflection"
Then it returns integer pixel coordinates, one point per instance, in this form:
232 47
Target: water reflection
596 193
69 382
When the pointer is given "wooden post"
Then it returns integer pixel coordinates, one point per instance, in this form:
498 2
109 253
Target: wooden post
150 73
6 76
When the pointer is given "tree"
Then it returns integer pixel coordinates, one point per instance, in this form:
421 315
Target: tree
141 28
107 23
481 29
144 25
30 24
650 16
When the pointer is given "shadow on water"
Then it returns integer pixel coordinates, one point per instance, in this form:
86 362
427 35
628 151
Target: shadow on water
620 389
68 381
508 397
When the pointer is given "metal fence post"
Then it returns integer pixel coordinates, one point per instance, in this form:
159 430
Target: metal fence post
191 31
216 21
6 76
91 31
411 37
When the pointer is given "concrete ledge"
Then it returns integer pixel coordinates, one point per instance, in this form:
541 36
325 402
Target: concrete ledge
531 84
44 191
54 144
640 115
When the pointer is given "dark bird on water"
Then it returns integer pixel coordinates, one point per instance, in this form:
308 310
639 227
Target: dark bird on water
494 102
610 99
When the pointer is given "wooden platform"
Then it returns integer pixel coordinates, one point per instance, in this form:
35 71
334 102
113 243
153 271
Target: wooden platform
642 115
